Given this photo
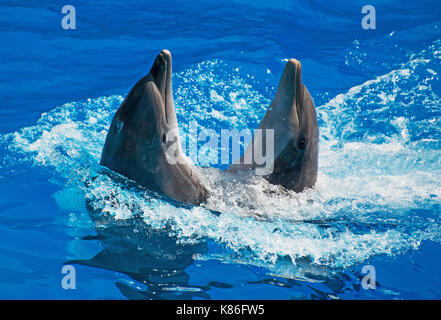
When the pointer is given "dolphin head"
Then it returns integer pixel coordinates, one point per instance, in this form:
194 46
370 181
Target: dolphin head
294 120
143 139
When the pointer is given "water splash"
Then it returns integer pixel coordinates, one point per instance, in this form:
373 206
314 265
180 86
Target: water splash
378 188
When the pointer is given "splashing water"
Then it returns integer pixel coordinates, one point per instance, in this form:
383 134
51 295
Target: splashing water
378 189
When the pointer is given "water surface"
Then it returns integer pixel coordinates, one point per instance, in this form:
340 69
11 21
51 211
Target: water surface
378 194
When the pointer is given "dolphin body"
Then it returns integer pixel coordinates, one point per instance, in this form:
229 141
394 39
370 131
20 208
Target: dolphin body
138 142
293 121
136 145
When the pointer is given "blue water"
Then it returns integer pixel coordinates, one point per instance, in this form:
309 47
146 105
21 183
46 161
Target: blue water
378 195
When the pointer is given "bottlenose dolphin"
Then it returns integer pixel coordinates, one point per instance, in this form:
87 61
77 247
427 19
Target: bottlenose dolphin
138 141
293 121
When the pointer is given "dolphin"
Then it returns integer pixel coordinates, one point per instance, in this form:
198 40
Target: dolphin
292 121
139 142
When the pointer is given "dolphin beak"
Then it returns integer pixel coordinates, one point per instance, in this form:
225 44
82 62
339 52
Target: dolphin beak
168 101
161 73
295 68
168 59
290 90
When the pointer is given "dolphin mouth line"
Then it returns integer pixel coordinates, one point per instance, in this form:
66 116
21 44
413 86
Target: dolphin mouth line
167 85
297 90
161 77
166 77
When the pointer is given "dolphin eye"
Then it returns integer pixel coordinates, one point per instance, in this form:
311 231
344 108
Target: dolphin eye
301 143
163 138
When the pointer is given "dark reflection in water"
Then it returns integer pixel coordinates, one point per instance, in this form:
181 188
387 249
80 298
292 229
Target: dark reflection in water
157 263
150 257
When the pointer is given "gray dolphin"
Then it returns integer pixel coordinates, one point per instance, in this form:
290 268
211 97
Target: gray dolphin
138 142
293 121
